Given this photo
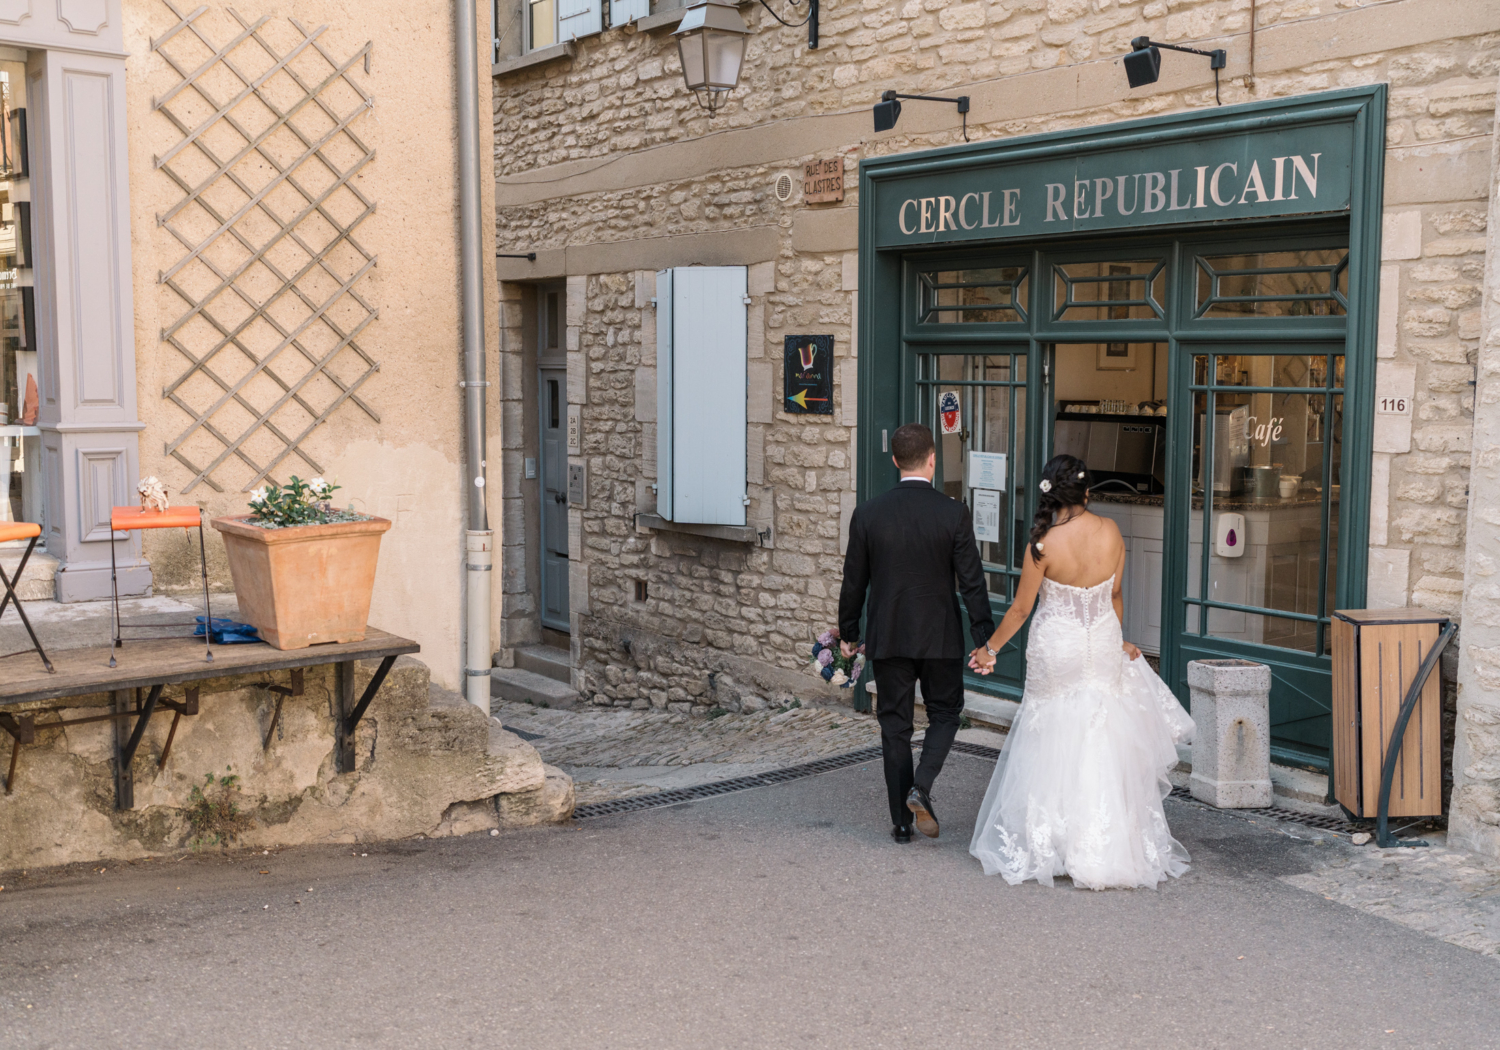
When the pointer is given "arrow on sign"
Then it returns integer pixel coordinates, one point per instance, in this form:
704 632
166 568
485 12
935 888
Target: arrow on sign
800 399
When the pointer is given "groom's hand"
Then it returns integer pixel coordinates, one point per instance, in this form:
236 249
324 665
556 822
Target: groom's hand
980 660
848 650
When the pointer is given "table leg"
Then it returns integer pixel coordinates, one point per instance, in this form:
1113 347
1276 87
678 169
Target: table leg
343 706
124 779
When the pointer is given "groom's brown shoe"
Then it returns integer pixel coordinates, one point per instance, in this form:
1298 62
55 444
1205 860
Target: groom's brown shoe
921 807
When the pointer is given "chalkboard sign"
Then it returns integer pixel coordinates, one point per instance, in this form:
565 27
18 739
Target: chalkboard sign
808 376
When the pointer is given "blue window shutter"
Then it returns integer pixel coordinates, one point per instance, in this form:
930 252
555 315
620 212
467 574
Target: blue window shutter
622 11
708 391
664 393
576 18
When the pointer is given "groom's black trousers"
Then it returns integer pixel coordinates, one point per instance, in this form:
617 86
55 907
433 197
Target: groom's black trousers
943 694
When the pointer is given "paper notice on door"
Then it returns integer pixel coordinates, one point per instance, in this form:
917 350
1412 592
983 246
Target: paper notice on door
987 515
987 470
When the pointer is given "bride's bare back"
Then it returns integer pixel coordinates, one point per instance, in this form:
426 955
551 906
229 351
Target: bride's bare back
1080 550
1083 550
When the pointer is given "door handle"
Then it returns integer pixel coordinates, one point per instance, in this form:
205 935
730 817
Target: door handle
559 498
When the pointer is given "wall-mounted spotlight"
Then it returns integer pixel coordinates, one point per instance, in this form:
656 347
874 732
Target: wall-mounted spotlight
888 109
1143 65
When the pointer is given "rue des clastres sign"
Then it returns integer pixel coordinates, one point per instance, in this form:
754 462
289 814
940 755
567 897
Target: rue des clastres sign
1301 171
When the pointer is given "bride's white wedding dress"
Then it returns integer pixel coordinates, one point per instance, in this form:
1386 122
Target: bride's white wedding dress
1079 785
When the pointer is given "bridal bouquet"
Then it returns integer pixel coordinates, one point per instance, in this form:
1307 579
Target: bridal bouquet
829 661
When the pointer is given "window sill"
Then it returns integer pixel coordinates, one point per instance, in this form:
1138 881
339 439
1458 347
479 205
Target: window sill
737 533
672 17
541 56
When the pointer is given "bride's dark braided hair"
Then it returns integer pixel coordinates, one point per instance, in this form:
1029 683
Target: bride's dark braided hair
1064 484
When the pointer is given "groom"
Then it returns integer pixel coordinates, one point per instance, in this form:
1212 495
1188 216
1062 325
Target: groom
908 546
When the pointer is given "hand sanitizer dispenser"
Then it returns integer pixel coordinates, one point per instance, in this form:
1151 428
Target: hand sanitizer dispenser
1229 535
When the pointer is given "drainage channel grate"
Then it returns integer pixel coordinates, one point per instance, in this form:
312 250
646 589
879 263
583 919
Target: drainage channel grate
725 787
853 758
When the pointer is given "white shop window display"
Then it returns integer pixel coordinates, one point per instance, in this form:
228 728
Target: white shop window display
20 438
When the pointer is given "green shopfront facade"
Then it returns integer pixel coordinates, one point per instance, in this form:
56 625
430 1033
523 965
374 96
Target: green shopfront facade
1189 303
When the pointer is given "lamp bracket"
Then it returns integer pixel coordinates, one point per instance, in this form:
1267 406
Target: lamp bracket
1217 58
810 20
962 101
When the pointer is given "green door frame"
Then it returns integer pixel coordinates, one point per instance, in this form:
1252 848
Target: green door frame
887 319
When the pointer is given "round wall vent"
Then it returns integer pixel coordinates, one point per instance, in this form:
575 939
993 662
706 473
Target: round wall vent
783 187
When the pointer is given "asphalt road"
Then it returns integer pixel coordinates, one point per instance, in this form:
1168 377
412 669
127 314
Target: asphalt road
780 917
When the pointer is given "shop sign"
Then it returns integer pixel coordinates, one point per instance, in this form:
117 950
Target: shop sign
1256 175
807 383
823 180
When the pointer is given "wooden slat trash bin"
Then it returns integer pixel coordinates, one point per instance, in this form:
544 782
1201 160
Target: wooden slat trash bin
1385 682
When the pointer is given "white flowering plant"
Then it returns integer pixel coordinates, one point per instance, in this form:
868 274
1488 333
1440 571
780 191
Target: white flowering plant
297 502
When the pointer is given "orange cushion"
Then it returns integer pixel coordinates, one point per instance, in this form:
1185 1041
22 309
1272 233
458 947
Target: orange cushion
18 530
123 519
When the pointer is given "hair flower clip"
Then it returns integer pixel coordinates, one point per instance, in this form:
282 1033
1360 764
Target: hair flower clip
1045 485
1081 473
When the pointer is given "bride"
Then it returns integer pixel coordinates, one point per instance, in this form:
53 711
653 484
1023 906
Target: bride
1079 785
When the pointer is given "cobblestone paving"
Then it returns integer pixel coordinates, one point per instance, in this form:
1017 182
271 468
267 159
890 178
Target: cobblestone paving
1445 893
616 753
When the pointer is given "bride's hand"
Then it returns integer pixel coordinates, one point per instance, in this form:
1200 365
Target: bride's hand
981 661
1131 651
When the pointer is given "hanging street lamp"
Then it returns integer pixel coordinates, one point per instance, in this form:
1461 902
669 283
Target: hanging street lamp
711 40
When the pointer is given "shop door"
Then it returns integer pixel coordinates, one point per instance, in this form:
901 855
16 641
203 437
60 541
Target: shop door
977 407
552 386
1254 498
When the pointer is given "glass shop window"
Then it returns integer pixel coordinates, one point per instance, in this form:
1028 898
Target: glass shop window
1110 291
1305 282
1268 468
983 296
20 385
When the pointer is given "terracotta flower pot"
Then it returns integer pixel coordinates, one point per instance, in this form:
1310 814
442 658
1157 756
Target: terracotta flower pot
306 584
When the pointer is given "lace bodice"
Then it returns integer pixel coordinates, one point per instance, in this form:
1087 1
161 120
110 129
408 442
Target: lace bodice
1075 638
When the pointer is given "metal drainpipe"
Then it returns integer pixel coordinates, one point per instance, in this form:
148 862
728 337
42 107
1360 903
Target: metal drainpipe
479 540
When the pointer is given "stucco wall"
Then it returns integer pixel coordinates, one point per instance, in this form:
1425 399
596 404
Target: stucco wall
606 166
408 465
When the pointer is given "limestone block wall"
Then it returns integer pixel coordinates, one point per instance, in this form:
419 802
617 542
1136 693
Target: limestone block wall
428 764
607 169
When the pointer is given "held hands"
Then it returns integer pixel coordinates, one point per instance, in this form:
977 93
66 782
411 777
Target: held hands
1131 651
980 660
848 650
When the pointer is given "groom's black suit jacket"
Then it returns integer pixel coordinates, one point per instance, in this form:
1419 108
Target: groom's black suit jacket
909 546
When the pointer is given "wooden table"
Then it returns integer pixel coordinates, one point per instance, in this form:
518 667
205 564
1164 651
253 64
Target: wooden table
154 664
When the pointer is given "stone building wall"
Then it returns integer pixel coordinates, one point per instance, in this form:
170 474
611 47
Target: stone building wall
605 167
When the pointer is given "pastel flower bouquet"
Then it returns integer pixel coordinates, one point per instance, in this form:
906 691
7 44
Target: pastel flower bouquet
829 661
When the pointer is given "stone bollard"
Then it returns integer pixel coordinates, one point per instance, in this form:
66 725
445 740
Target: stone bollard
1231 708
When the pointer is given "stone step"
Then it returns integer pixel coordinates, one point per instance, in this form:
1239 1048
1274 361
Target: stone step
37 583
546 660
519 685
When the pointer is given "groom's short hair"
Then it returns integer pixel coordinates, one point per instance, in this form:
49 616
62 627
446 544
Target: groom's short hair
910 444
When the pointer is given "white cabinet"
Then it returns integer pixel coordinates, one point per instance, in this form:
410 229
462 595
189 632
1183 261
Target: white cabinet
1141 528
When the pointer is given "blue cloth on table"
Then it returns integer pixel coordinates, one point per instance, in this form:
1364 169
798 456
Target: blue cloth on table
227 632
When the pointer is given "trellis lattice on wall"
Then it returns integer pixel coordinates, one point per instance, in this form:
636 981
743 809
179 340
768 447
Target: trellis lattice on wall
270 273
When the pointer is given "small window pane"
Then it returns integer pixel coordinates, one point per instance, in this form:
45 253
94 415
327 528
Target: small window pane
543 24
1279 370
1310 282
1109 291
990 296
